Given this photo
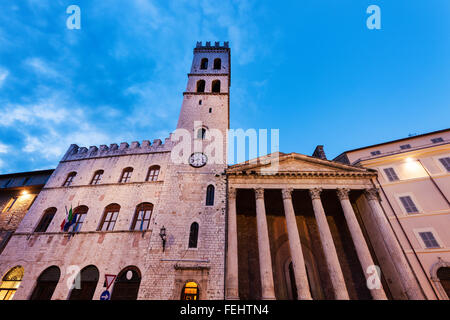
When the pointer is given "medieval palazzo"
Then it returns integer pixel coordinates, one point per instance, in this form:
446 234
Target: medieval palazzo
311 229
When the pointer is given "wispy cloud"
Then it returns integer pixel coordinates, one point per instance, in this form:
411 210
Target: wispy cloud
3 75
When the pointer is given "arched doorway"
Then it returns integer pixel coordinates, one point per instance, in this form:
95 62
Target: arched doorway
10 282
126 286
190 291
46 284
443 275
88 282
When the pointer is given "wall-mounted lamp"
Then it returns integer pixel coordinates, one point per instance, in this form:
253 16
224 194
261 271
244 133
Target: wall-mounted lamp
162 234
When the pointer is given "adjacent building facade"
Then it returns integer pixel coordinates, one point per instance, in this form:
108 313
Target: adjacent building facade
414 180
170 220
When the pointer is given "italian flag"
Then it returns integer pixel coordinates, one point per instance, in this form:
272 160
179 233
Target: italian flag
68 221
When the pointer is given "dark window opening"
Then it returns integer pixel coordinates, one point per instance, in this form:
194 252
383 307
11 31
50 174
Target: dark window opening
201 86
193 235
216 86
126 286
210 195
217 64
204 64
46 220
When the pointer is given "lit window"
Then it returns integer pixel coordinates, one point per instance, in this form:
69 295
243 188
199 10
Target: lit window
142 215
190 291
97 177
10 282
408 204
390 173
446 163
429 240
153 173
126 175
69 179
109 217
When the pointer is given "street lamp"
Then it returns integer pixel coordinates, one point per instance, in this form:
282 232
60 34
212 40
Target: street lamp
162 234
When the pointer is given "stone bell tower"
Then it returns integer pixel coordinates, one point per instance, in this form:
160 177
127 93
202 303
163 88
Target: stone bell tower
206 100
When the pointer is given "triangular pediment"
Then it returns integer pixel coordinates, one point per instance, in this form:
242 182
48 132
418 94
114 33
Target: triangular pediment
292 163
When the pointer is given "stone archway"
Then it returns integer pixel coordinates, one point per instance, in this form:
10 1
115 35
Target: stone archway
437 274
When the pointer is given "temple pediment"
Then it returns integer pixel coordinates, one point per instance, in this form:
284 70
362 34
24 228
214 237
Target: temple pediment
294 164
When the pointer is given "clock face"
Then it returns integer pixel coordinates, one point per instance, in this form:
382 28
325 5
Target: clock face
198 159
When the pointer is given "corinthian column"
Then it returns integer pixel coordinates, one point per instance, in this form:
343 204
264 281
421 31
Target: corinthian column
232 282
301 278
409 282
265 260
359 241
334 268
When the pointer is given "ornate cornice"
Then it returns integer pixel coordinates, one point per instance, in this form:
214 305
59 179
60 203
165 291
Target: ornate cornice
302 174
315 193
342 193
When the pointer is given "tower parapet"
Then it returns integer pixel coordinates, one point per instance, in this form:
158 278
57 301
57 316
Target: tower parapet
81 153
209 46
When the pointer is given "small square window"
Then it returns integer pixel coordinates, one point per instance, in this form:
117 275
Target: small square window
408 204
437 140
429 240
405 146
375 153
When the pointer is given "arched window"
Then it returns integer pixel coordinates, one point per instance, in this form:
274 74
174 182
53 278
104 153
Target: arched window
69 179
201 133
126 175
190 291
201 85
217 64
141 220
204 64
216 86
443 275
210 195
153 173
87 280
46 220
80 213
46 284
97 177
10 282
109 217
193 235
126 286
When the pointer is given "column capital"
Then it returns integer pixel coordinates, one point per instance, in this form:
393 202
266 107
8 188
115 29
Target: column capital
372 194
287 193
315 193
342 193
259 193
232 193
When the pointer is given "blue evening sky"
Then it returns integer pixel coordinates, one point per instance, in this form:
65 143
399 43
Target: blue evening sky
307 67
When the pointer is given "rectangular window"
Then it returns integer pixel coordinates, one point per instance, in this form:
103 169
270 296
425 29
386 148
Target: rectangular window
408 204
437 140
375 153
405 146
446 163
391 175
110 220
429 240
